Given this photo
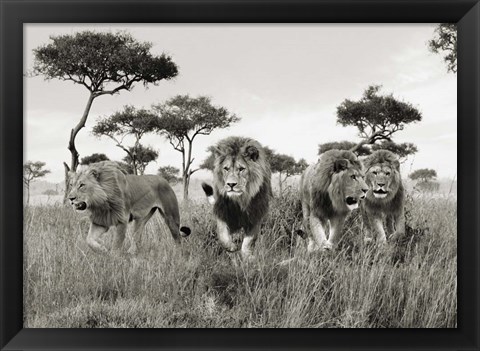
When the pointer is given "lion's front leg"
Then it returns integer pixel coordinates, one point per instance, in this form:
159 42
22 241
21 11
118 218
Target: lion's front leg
399 218
379 231
336 229
317 229
93 238
224 237
249 242
119 236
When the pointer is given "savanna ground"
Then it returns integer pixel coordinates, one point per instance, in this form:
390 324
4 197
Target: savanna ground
408 284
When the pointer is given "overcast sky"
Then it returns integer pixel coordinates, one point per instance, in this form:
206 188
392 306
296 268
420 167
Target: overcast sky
284 81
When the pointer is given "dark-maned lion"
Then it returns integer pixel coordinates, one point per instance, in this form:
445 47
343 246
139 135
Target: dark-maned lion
241 191
385 199
113 198
330 189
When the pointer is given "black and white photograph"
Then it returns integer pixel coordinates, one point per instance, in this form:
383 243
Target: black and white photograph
240 175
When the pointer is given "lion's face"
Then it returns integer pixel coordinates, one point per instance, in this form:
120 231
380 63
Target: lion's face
85 191
383 180
235 173
240 169
351 184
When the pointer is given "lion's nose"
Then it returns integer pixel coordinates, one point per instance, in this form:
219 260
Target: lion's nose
381 184
231 185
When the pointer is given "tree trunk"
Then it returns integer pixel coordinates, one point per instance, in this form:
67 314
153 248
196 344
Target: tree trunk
359 145
67 183
280 185
185 186
186 170
71 145
28 194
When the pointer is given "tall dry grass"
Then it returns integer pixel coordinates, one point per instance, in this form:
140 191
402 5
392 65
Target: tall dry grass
409 284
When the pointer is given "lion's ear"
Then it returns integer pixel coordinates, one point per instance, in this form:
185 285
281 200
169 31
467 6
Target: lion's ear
396 164
215 150
251 152
340 165
94 173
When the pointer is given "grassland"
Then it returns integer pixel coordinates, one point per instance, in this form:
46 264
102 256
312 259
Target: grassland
409 284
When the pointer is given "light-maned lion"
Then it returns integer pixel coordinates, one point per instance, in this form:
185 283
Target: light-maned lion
113 198
241 191
385 199
330 189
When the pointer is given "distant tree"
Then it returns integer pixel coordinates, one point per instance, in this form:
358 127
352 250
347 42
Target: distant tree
127 122
445 40
284 165
170 173
105 64
139 157
182 118
423 174
403 150
125 167
209 162
343 145
32 171
93 158
50 192
377 117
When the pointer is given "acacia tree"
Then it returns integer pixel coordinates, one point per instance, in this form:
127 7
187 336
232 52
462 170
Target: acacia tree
284 165
209 162
343 145
426 179
377 117
132 122
103 63
170 173
423 174
139 157
93 158
32 171
182 118
445 40
403 150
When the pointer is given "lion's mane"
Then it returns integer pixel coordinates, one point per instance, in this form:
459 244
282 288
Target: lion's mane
247 210
107 198
324 185
395 199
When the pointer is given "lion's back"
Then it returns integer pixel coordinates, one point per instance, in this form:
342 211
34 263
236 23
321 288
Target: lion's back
149 189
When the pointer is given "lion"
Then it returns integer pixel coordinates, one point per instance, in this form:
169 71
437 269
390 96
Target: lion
113 198
241 192
329 190
385 199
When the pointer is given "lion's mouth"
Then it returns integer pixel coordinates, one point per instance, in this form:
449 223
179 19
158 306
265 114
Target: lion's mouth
234 193
380 193
352 202
80 206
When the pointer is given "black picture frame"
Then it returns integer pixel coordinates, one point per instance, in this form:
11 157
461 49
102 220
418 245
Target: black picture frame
14 14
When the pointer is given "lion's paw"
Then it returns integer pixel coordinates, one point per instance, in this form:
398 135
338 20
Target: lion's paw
326 245
132 250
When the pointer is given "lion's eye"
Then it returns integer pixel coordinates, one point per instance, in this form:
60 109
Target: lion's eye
241 169
226 169
375 173
388 173
81 186
354 177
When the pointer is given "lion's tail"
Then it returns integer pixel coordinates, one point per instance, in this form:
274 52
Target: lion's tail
209 192
185 231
